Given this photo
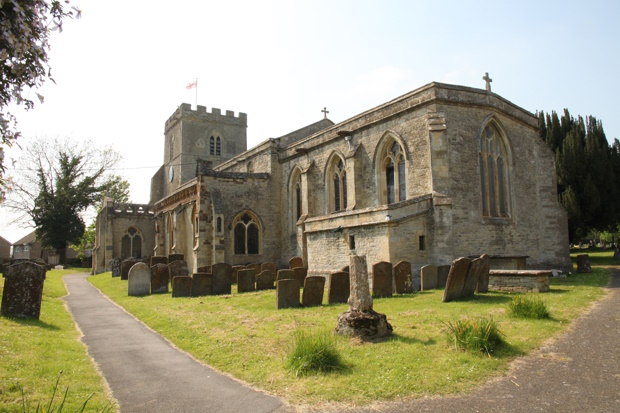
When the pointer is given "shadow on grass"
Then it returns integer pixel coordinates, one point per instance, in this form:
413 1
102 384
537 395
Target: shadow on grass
410 340
32 322
495 298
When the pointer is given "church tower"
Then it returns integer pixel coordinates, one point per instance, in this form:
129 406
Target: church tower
197 134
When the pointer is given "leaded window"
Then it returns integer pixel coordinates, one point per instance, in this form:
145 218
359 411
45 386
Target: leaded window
246 235
393 176
493 173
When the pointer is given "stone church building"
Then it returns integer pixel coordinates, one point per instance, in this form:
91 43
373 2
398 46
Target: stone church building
441 172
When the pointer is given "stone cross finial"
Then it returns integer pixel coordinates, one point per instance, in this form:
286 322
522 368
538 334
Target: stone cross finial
487 79
325 112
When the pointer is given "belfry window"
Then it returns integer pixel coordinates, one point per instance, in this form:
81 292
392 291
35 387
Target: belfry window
212 146
218 146
393 174
246 234
493 173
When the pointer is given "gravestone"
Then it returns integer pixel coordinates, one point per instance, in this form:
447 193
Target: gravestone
116 267
313 291
583 263
442 275
300 274
428 280
268 266
204 269
483 276
255 267
222 278
338 288
266 280
361 320
160 277
617 254
181 286
456 279
175 257
146 260
245 281
287 293
236 268
295 262
177 269
23 290
382 279
476 267
139 280
126 266
158 259
286 275
201 284
403 281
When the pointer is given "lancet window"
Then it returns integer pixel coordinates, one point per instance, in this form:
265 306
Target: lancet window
393 177
337 185
493 162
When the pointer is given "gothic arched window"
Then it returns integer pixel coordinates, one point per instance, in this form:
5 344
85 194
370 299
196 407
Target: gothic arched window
131 244
337 185
218 146
212 146
493 161
171 149
295 198
246 234
392 174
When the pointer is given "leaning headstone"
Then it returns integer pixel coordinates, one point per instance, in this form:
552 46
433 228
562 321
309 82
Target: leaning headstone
583 263
338 288
268 266
178 269
245 281
222 278
115 266
139 280
23 290
428 276
442 275
295 262
160 277
158 259
266 280
382 279
287 293
361 320
313 291
476 268
201 284
483 276
235 269
182 286
126 266
175 257
456 279
286 275
403 281
300 274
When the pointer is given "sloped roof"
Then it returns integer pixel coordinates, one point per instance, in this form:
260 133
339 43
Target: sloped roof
304 132
26 240
4 241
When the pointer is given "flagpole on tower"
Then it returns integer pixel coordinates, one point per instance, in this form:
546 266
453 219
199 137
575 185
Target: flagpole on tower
196 100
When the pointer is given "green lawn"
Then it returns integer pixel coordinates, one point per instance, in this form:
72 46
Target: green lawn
244 335
33 352
597 256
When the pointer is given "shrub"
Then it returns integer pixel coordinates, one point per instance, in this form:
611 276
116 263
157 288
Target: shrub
524 307
313 352
478 335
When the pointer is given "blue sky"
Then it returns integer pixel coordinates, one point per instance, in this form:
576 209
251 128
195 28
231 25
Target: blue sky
121 70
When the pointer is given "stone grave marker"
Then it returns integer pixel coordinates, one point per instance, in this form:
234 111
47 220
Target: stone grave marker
175 257
126 266
287 293
178 269
442 275
222 278
403 281
146 260
115 267
473 275
158 259
583 263
300 274
266 280
181 286
286 275
483 275
255 267
23 290
428 279
617 254
268 266
314 287
382 279
160 277
295 262
338 288
245 280
236 268
201 284
204 268
456 279
361 320
139 280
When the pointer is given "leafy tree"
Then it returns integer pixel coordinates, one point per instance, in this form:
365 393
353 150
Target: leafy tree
25 28
117 190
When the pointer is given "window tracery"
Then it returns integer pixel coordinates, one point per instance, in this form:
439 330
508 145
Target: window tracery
246 234
493 173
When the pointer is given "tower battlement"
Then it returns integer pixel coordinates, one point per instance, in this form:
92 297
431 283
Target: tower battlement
185 111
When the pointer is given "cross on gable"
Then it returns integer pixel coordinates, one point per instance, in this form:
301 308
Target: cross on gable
325 112
488 81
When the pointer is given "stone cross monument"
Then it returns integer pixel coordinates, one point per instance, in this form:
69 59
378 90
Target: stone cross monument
488 81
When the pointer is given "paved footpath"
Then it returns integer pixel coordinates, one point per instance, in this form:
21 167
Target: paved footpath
147 374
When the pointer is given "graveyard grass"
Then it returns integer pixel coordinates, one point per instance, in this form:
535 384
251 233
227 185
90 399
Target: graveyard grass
244 335
33 352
